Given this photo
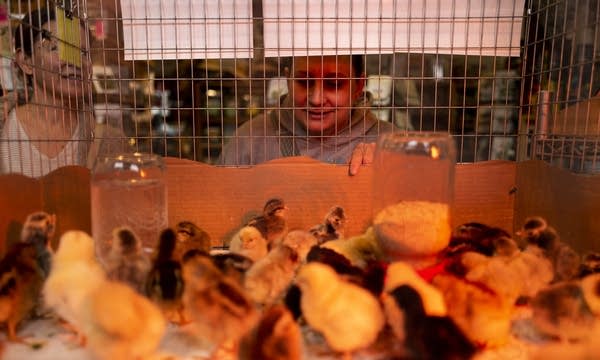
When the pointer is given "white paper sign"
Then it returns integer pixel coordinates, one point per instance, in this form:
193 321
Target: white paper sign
184 29
315 27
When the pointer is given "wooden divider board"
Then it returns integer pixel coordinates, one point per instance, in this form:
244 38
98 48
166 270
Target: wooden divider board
570 202
220 199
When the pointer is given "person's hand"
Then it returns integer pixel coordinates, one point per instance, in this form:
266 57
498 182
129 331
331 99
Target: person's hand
362 154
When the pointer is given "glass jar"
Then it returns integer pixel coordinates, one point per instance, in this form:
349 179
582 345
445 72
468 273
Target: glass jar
413 194
128 190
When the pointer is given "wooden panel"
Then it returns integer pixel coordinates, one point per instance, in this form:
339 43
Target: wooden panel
570 202
19 196
221 199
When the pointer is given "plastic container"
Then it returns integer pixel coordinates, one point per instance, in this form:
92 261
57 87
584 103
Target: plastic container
413 195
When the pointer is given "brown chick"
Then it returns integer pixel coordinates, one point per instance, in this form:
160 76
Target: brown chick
39 229
121 324
164 283
249 242
191 236
75 273
349 317
220 312
561 311
127 261
565 260
273 222
276 337
267 279
21 281
332 227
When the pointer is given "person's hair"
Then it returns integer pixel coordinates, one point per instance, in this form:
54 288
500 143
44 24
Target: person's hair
31 29
358 63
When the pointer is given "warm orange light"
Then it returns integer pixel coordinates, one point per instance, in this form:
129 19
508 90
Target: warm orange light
435 152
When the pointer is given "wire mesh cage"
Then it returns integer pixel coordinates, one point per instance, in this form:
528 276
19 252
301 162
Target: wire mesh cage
508 79
560 84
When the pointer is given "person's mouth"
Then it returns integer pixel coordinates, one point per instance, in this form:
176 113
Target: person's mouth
318 114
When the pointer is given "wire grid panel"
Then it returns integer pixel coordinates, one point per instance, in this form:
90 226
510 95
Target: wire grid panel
185 78
46 120
561 107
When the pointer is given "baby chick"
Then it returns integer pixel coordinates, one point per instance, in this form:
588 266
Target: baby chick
164 284
560 310
332 227
75 273
249 242
480 313
21 281
349 317
425 336
121 324
233 265
267 279
590 264
276 337
219 309
191 236
565 260
358 249
272 224
477 237
38 229
126 261
590 285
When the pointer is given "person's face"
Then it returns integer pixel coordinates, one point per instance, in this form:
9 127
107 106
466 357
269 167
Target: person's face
61 80
323 89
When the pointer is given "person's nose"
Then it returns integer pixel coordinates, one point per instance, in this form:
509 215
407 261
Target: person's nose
315 93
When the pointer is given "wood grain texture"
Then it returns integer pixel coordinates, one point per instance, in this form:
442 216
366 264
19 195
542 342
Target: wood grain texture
570 202
221 199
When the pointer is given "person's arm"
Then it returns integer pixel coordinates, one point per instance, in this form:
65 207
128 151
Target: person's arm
362 154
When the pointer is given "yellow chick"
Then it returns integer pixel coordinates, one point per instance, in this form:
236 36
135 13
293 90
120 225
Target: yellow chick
267 279
75 273
249 242
349 317
219 310
484 316
400 273
121 324
358 249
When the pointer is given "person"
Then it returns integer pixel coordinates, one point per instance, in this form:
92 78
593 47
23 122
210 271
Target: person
325 116
54 126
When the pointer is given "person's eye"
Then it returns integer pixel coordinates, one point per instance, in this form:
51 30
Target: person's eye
334 84
305 83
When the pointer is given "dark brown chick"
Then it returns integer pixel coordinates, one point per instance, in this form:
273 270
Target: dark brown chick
220 312
429 337
164 284
21 282
273 221
127 261
39 229
276 337
191 236
565 260
332 227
